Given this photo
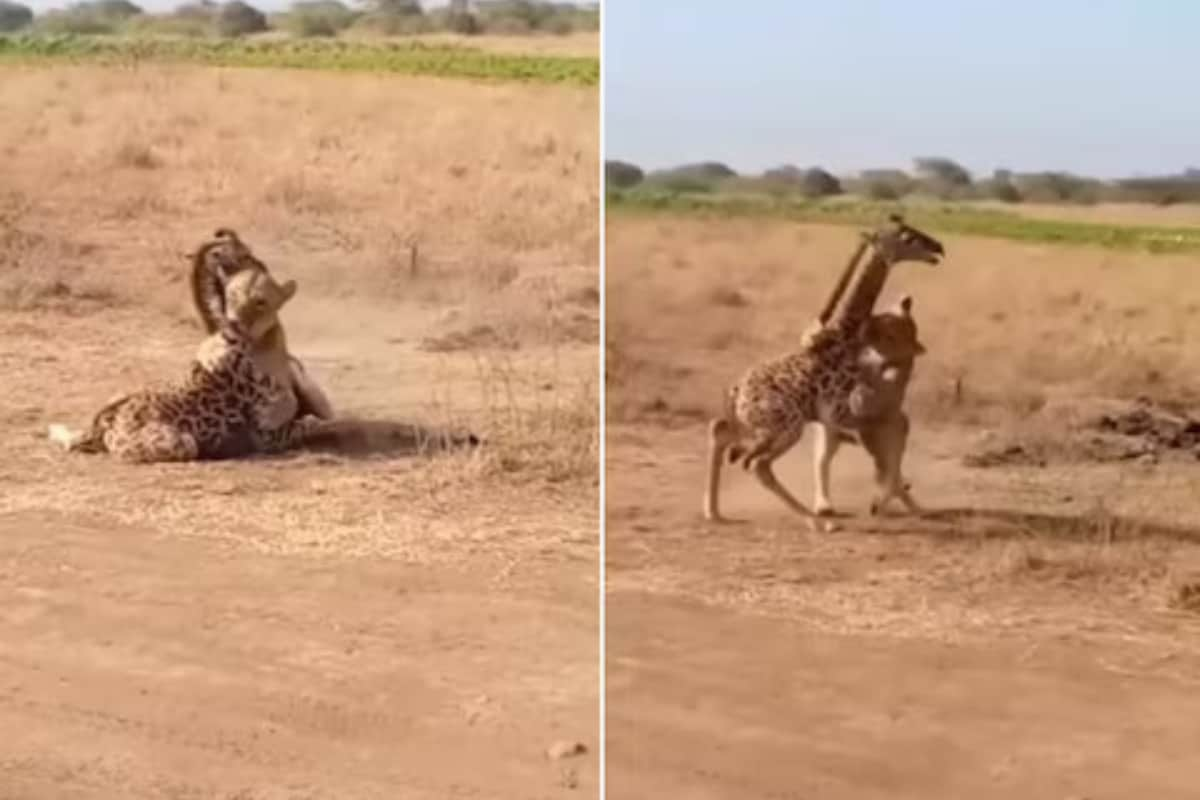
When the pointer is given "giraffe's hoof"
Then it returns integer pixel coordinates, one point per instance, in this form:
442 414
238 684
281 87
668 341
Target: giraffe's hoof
824 510
822 525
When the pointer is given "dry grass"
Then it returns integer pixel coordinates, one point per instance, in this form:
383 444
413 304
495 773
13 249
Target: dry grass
401 221
1026 343
1013 330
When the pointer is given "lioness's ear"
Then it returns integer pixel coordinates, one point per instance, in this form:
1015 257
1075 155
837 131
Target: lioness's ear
918 348
289 290
906 304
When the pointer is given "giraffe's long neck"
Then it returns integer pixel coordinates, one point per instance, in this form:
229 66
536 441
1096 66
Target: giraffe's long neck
839 289
859 302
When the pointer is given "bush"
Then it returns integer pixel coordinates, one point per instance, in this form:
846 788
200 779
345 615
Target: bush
100 17
812 182
942 170
14 16
69 21
622 174
170 25
395 25
318 18
1058 187
816 182
525 16
700 177
877 189
1001 189
462 22
396 8
1164 191
236 18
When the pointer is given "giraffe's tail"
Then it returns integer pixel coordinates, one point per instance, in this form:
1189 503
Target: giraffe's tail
91 440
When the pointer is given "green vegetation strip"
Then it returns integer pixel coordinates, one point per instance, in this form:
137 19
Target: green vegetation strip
945 218
410 58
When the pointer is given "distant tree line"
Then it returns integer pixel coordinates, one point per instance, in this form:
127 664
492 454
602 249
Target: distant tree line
935 177
306 18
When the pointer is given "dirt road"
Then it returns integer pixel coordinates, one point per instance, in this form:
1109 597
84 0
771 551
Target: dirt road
142 665
976 654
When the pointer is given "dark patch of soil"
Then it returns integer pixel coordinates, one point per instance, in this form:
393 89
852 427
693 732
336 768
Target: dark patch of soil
1147 431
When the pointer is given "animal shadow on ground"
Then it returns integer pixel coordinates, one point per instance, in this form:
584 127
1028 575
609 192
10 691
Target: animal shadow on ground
1012 524
349 436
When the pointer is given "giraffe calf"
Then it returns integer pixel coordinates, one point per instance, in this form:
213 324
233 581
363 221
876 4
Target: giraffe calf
837 381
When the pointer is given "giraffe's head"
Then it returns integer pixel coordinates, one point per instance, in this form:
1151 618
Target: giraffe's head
898 241
890 337
226 255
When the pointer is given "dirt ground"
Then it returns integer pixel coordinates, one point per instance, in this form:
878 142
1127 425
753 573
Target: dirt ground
372 623
1034 635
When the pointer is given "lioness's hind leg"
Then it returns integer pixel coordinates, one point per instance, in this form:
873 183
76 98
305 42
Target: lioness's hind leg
310 396
887 443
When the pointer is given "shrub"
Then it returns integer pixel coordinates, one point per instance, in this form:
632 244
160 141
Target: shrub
203 10
812 182
1058 187
1001 189
99 17
1164 191
463 22
816 182
396 8
699 177
70 21
942 170
394 25
622 174
524 16
885 184
14 16
877 189
318 18
236 18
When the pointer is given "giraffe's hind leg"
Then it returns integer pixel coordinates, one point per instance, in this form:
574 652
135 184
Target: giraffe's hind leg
722 437
153 442
762 467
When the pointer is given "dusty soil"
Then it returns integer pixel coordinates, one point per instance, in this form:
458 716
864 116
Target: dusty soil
138 663
375 623
1034 635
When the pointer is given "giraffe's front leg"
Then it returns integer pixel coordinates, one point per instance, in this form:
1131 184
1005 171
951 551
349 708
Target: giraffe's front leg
825 447
762 468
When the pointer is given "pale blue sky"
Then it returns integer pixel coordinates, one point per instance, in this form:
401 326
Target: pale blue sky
1101 87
